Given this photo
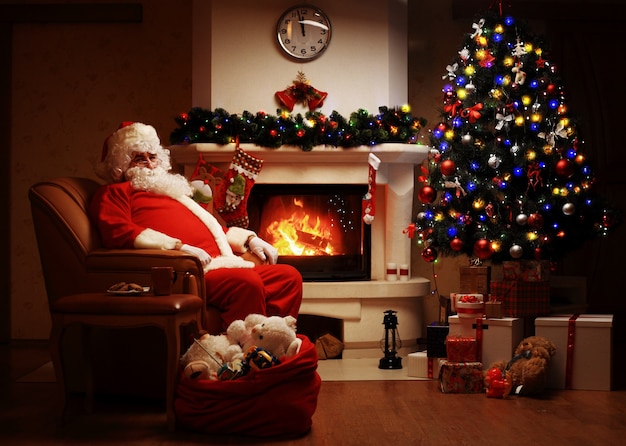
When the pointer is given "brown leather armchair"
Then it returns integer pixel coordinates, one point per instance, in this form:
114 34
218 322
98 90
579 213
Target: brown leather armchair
78 270
73 258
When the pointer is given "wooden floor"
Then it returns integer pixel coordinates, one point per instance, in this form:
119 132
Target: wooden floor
348 413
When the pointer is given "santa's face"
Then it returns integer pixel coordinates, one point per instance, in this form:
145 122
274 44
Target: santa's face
144 159
147 174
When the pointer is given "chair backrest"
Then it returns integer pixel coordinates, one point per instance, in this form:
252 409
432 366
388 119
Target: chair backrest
65 234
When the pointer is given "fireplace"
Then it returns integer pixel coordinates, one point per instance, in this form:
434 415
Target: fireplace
358 304
317 228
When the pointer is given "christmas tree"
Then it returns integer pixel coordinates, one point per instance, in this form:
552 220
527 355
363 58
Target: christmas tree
506 177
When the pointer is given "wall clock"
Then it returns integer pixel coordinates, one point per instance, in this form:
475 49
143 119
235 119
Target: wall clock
303 32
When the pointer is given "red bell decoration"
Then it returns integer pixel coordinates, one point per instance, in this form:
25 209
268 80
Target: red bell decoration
286 98
564 168
447 167
429 254
482 249
317 99
426 194
456 244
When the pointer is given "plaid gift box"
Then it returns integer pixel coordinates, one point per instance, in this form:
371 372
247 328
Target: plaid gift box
436 340
461 377
522 299
526 270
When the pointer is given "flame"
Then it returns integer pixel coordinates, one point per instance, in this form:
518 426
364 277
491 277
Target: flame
301 234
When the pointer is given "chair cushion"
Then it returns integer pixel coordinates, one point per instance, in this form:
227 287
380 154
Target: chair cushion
133 304
275 402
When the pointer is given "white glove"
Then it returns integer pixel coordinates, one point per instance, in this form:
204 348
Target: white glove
263 250
200 253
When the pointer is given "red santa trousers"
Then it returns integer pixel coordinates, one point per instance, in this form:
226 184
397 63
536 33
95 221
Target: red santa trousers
272 290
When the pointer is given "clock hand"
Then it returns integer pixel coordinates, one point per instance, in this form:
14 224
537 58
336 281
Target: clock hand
301 23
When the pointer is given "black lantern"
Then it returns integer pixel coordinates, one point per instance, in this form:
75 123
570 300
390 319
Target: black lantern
390 343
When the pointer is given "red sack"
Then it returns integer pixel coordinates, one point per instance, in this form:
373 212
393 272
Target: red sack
275 402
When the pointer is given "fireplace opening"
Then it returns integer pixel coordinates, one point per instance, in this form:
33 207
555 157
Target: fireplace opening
316 228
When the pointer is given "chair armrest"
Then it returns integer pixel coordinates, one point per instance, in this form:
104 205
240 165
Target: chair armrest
142 260
136 264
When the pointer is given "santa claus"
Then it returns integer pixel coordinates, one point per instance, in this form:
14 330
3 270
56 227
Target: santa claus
144 205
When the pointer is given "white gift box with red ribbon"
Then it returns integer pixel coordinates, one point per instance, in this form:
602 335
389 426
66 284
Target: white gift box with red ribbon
583 359
470 305
496 338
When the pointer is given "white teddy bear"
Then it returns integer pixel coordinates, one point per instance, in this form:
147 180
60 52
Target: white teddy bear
207 356
275 334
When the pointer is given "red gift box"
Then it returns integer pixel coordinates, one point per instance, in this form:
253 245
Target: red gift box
522 299
461 377
461 348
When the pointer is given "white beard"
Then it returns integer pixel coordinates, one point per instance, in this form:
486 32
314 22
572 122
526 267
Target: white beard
159 181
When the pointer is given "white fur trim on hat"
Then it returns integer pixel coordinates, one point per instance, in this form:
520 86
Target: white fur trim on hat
135 135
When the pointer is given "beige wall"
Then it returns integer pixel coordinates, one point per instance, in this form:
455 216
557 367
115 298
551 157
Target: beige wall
72 85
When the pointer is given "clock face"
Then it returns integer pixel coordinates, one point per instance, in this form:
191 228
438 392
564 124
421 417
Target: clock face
303 32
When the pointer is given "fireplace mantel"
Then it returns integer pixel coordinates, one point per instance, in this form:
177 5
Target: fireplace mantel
359 303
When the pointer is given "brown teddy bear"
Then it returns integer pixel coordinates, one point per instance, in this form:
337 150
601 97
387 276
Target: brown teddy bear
526 372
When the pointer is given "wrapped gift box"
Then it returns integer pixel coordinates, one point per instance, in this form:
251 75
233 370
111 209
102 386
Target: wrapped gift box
461 377
587 363
467 304
461 348
493 309
420 365
436 340
522 299
496 339
475 279
526 270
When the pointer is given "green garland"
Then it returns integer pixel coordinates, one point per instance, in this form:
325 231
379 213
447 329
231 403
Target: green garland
314 128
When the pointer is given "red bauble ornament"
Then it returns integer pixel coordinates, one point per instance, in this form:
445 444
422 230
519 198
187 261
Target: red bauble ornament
456 244
564 168
447 167
426 194
482 249
429 254
535 221
537 253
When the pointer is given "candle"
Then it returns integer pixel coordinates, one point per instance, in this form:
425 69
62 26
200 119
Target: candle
392 272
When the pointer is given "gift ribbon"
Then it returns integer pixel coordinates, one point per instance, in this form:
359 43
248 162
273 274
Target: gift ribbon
479 339
569 359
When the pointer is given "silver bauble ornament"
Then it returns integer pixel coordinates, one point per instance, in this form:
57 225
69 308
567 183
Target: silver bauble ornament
514 149
494 161
569 209
467 139
516 251
421 216
521 219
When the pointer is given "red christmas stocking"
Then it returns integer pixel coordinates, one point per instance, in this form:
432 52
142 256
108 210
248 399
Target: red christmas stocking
369 200
232 198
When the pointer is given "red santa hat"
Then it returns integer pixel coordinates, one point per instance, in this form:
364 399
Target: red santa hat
118 148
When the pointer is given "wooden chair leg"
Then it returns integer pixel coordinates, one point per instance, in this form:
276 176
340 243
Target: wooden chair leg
56 336
172 333
87 354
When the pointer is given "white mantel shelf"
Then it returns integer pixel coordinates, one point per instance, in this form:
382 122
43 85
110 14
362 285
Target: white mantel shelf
391 153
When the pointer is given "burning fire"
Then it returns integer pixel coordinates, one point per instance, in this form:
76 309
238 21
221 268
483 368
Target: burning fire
301 234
